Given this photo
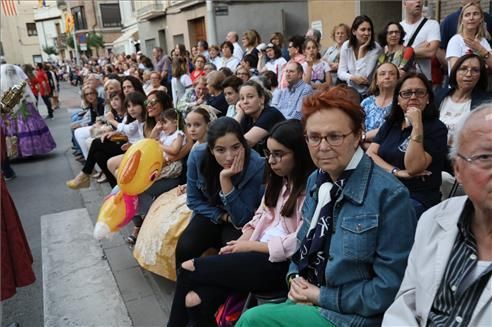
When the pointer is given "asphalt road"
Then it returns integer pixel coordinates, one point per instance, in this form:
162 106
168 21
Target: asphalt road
39 189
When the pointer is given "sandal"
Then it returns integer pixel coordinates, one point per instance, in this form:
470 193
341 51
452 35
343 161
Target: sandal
97 174
132 238
102 179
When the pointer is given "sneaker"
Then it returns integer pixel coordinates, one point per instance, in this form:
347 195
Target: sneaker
9 178
51 117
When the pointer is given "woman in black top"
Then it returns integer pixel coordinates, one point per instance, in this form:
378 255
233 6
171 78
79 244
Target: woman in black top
254 114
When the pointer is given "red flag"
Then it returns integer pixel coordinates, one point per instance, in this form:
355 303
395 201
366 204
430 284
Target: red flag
8 7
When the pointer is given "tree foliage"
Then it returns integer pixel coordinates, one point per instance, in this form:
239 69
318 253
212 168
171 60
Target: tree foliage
93 39
50 50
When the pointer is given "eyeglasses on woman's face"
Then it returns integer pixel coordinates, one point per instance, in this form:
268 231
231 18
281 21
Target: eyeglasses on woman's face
465 70
275 155
90 93
393 32
333 139
407 94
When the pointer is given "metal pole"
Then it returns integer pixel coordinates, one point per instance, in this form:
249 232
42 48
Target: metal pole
211 28
77 57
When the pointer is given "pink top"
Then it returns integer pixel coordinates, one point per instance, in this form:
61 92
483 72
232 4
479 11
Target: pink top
280 248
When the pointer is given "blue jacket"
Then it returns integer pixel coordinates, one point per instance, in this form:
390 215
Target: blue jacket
241 203
374 226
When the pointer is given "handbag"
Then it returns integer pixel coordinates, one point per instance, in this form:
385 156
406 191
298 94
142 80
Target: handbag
119 138
229 312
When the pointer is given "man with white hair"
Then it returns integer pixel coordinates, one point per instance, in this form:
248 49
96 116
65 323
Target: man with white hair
448 278
233 38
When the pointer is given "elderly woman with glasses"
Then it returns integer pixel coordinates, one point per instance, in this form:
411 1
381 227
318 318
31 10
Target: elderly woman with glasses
391 39
357 230
412 143
468 89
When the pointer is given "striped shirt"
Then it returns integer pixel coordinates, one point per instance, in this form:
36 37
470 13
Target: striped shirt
454 304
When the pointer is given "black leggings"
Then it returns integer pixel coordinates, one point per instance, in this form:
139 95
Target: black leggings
100 153
202 234
47 102
216 277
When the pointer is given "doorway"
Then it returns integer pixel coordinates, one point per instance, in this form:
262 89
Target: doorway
197 30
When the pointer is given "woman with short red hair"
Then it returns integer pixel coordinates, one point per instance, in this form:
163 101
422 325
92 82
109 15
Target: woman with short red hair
358 227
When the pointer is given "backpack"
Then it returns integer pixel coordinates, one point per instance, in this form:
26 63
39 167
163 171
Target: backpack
229 312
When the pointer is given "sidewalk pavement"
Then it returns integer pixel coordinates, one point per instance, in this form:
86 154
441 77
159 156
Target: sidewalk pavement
147 296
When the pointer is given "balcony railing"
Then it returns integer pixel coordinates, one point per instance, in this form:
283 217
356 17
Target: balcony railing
151 11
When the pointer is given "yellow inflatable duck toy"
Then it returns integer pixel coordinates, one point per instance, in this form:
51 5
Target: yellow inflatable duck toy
139 169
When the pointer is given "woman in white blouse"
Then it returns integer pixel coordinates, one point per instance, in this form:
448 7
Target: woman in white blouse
471 37
358 55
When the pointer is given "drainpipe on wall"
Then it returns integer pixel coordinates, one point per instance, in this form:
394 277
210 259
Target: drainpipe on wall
211 28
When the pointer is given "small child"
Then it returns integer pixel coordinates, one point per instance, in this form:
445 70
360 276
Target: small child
169 132
171 138
133 121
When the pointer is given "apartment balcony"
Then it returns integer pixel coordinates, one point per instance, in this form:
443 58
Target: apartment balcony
151 11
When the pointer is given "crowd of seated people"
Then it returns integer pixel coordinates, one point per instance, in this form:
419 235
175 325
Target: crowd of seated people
309 172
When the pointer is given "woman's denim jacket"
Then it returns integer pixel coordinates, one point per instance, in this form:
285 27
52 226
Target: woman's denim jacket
374 226
241 203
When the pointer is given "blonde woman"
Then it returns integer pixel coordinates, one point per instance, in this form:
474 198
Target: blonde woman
471 37
250 41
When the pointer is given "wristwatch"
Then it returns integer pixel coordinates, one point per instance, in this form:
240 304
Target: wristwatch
417 138
394 171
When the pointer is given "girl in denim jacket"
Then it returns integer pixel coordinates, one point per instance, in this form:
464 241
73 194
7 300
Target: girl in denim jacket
258 260
224 188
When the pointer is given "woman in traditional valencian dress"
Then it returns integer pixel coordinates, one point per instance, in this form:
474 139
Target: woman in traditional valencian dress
25 126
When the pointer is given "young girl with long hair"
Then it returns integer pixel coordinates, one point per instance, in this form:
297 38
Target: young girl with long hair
102 150
181 79
259 259
224 188
316 71
131 127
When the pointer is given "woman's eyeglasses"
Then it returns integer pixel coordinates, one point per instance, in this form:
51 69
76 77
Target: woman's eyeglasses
275 155
90 93
419 93
465 70
333 139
